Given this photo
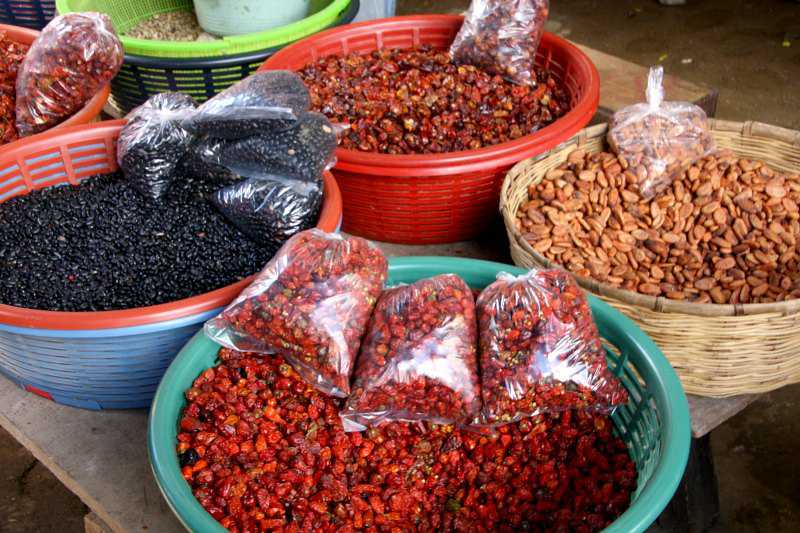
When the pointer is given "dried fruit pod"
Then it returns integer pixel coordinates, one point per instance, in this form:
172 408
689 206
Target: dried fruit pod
11 56
153 142
501 37
659 140
540 349
261 102
310 304
418 359
74 57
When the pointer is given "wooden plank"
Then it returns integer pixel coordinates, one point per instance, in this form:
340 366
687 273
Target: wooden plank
94 524
623 83
101 456
709 413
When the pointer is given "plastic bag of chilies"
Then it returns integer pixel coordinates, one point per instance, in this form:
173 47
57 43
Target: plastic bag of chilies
501 37
153 142
659 140
73 58
418 359
270 209
264 101
540 350
310 304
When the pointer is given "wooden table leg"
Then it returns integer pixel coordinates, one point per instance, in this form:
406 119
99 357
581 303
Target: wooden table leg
695 506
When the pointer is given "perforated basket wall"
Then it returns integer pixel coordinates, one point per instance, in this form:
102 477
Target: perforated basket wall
34 14
654 424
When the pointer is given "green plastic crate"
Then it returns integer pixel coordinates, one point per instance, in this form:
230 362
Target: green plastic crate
127 13
654 424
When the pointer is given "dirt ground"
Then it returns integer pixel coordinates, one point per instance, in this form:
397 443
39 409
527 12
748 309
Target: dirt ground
750 52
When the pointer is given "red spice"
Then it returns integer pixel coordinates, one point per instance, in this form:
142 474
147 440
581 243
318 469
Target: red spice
418 359
11 56
540 349
416 101
264 451
310 304
72 59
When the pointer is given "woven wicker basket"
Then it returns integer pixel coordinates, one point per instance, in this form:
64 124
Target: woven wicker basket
717 350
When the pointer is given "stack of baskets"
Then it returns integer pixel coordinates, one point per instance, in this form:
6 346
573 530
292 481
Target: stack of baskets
717 350
34 14
201 69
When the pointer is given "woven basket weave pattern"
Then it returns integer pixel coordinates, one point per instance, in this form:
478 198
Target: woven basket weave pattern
717 350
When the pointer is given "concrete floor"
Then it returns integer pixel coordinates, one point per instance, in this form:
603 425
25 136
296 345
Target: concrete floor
736 47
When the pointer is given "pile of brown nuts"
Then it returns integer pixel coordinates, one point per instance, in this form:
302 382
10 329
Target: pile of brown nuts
725 231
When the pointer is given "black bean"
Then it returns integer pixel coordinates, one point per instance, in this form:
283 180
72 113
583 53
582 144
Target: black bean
153 142
102 246
198 161
265 100
189 457
304 150
270 210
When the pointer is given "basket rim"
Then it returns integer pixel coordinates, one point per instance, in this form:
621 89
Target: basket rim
329 217
656 303
84 115
498 155
661 380
279 36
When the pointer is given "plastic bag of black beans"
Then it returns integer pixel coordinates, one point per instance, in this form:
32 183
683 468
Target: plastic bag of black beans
269 210
152 143
198 162
305 150
264 101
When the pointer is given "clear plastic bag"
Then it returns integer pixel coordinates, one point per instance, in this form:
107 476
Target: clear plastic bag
310 304
501 37
659 140
264 101
73 58
304 150
153 142
540 351
418 359
198 162
269 210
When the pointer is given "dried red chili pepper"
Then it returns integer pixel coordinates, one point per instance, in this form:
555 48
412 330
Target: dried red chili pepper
310 304
416 101
418 359
74 57
501 37
540 350
264 451
11 56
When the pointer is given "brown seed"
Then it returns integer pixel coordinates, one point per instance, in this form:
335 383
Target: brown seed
726 263
704 284
775 189
720 215
649 288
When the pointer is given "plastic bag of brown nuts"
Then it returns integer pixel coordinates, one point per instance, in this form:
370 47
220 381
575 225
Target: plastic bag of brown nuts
501 37
659 140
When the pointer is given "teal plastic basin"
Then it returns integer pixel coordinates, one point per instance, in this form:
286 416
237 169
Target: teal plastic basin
654 424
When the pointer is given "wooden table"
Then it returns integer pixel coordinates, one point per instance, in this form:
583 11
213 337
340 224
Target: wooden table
101 455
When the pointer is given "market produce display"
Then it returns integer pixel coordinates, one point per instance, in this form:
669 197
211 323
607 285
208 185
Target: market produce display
263 450
102 246
268 101
153 142
416 101
540 349
502 37
310 304
725 231
658 140
11 56
270 209
73 58
418 358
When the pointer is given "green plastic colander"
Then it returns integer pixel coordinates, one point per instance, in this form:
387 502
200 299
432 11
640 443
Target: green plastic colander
654 424
125 14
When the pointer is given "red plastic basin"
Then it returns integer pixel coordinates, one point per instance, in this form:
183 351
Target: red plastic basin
438 198
70 154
